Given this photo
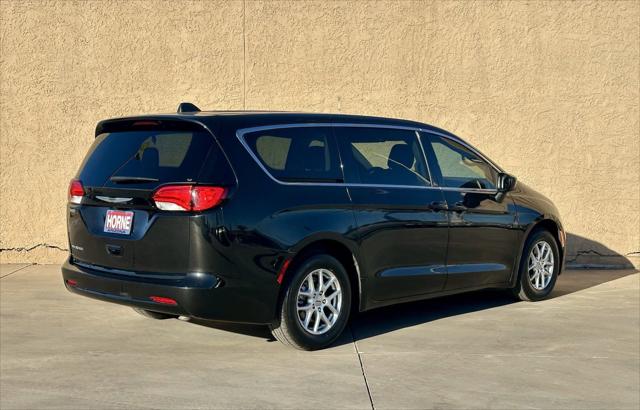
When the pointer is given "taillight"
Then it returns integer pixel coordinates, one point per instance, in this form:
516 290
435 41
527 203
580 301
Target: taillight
76 191
188 197
205 197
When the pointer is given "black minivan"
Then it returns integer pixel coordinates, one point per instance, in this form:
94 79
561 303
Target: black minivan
298 220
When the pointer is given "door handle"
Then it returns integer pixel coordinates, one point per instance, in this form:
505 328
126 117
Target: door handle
458 207
438 206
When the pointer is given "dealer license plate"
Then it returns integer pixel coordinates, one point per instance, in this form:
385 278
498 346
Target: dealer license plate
119 222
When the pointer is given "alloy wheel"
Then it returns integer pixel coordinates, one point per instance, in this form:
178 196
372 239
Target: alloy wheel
541 265
319 301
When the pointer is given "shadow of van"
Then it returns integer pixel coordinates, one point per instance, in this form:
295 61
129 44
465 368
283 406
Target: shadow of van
585 253
605 268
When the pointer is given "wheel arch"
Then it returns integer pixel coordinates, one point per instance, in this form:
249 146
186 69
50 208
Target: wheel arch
333 247
556 230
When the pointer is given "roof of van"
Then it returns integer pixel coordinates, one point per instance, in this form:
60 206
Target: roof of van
248 119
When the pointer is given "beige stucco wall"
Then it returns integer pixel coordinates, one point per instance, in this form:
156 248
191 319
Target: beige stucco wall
549 90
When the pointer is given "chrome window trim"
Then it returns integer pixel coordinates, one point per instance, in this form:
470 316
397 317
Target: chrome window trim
478 190
241 132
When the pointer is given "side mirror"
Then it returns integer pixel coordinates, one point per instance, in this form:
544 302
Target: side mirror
506 182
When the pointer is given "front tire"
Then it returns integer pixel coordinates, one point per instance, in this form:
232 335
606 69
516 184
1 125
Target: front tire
316 304
539 267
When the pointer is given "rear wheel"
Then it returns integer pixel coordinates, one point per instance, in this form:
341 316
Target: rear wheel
539 267
316 304
153 315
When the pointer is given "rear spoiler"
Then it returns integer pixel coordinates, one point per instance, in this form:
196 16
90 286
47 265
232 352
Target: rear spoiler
155 122
152 122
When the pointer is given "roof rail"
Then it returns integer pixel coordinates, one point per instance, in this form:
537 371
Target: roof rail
187 107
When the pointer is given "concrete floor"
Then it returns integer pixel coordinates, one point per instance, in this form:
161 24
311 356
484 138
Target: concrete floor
578 350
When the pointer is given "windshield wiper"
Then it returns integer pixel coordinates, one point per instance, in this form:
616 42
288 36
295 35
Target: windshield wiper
132 180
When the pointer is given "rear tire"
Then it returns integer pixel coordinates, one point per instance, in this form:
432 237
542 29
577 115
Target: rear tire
539 267
154 315
315 306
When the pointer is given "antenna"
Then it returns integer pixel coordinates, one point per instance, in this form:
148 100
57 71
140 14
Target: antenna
187 107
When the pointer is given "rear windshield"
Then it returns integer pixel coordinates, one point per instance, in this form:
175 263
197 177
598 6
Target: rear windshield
147 158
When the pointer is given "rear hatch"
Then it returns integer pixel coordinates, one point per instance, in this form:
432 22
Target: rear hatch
116 223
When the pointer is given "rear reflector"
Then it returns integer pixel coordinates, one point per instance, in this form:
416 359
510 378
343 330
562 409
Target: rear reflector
163 300
188 197
76 191
282 271
71 282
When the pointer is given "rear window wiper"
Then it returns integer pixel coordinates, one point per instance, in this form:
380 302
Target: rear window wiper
132 180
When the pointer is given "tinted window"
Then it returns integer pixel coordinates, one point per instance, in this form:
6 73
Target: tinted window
382 156
273 151
168 156
461 167
304 154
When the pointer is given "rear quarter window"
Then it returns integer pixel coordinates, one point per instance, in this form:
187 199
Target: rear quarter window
304 154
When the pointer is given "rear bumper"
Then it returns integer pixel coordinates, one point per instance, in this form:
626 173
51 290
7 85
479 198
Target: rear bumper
196 295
